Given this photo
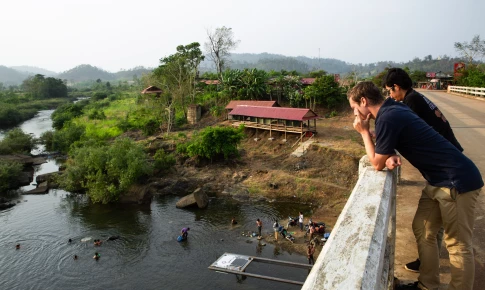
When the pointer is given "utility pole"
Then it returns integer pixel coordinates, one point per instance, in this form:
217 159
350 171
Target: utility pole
319 64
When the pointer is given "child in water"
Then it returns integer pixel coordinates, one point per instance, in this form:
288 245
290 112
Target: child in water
96 256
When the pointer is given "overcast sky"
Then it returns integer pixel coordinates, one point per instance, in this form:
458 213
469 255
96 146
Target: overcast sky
60 34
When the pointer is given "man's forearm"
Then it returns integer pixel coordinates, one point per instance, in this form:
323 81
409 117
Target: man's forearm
370 150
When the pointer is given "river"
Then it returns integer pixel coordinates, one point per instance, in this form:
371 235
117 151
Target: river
147 256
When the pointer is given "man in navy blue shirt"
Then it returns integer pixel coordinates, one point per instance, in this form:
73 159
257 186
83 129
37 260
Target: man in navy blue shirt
453 181
399 85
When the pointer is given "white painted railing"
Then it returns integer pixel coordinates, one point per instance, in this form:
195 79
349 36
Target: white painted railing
479 92
360 251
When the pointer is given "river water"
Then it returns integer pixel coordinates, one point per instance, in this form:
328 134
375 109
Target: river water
147 256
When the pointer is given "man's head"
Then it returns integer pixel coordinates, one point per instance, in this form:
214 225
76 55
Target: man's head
397 82
363 95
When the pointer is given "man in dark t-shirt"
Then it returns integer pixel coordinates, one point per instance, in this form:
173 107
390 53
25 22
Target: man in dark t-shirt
453 181
399 86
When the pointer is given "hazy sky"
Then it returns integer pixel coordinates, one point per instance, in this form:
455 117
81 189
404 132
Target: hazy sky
113 35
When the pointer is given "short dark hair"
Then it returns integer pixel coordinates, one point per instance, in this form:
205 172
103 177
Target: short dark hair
397 76
367 90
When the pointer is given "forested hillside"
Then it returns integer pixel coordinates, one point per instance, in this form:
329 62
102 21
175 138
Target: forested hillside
10 76
303 64
261 61
33 70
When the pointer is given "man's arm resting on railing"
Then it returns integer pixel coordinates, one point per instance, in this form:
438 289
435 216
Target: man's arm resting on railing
377 160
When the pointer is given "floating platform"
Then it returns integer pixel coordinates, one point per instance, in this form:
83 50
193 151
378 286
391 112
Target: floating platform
237 264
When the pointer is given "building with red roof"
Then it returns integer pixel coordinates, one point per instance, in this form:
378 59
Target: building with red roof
233 104
282 119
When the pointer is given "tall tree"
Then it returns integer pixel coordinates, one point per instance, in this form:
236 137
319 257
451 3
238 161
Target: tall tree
471 50
177 74
219 45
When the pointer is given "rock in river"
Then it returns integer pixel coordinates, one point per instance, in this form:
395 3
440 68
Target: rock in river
198 197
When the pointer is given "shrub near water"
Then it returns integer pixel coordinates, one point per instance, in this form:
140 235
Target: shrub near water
213 142
106 171
9 172
16 141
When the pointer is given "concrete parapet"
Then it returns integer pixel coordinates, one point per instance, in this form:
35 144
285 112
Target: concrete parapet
360 251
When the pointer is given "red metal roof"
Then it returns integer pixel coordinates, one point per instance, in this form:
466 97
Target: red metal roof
307 81
233 104
282 113
210 82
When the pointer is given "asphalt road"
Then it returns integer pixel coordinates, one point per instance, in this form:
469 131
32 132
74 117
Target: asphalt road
467 119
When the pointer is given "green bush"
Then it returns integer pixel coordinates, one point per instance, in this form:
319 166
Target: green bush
66 113
180 118
96 115
213 142
163 161
216 111
9 173
105 172
16 141
99 96
62 140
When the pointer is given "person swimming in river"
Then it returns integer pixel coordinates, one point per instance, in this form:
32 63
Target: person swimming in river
233 221
17 246
185 233
75 257
97 242
96 256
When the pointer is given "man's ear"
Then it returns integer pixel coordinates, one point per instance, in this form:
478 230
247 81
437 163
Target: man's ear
363 101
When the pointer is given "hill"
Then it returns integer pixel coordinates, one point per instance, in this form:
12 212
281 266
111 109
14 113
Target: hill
86 72
10 76
131 73
303 64
33 70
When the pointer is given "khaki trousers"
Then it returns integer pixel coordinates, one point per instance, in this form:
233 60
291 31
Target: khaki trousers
456 212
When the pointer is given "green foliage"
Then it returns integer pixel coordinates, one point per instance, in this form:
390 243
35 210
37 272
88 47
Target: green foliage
213 142
18 107
66 113
9 173
180 118
248 84
216 111
96 115
317 74
325 91
99 96
287 86
209 76
61 140
40 87
418 76
163 161
105 172
16 141
473 76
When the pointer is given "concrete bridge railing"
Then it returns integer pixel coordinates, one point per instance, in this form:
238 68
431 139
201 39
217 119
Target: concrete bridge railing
360 251
478 92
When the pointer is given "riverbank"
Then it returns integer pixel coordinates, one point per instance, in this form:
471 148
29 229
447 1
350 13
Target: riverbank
321 179
15 112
